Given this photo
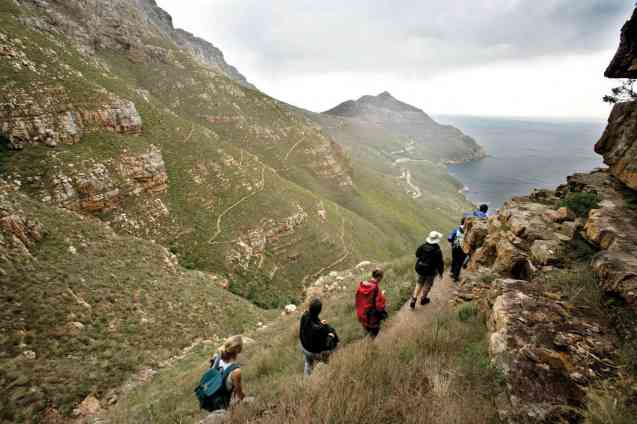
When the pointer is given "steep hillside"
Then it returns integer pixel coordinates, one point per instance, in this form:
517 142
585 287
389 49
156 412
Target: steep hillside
84 308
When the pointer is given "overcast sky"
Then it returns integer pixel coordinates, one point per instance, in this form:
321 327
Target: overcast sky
533 58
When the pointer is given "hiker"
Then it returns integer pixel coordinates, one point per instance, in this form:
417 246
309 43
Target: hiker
222 382
429 263
480 213
458 256
370 304
318 339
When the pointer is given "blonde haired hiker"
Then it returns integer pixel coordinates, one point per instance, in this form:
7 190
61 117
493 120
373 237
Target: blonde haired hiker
429 263
222 382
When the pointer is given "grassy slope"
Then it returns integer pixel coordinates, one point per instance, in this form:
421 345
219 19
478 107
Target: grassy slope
138 312
455 351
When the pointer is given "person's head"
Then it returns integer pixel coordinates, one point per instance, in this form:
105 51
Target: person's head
434 237
484 208
231 348
315 307
378 274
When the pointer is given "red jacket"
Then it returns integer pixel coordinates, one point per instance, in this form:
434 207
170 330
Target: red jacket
365 294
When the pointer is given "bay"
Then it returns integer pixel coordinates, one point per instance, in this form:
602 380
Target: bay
523 155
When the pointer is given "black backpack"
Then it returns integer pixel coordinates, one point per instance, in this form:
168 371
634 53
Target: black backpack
332 342
425 264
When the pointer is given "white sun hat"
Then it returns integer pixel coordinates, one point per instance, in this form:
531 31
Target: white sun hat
434 237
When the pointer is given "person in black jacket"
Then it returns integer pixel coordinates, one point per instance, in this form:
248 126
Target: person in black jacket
318 339
429 263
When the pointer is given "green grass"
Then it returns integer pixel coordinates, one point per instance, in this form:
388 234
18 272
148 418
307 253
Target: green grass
268 364
140 312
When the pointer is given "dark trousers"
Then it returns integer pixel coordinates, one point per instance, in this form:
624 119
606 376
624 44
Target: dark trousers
372 332
457 260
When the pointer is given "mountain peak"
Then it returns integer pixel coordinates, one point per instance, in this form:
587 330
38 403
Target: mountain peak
365 104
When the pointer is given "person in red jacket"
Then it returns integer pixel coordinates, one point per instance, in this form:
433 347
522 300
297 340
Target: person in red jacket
370 304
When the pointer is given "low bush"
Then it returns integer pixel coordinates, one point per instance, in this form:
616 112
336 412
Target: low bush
581 203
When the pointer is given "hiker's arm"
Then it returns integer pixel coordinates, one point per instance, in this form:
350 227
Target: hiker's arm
236 383
452 236
441 264
380 301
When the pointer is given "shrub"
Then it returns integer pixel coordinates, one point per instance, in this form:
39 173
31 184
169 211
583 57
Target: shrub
466 311
581 203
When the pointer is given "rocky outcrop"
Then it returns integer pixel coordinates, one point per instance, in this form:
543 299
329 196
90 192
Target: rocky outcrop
47 116
101 187
548 351
624 64
522 237
612 228
618 144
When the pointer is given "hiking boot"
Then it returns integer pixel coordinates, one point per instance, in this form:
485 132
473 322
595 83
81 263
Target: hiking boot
424 300
412 304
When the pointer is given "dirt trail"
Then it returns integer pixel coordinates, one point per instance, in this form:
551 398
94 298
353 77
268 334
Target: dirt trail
440 295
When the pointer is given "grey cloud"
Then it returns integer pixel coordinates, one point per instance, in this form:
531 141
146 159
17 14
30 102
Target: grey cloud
413 37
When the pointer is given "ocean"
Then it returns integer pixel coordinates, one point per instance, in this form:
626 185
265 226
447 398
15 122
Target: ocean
523 155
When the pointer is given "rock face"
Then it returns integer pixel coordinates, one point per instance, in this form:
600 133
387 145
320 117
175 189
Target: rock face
523 236
624 64
101 187
613 229
400 118
549 353
126 25
47 116
618 144
209 55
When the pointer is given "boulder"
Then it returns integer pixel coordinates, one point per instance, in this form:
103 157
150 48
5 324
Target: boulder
476 231
90 406
545 252
566 214
617 272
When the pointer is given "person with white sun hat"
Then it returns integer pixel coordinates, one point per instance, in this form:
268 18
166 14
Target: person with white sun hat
429 263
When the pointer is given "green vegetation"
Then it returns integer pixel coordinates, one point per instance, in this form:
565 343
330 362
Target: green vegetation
442 362
270 363
581 203
95 317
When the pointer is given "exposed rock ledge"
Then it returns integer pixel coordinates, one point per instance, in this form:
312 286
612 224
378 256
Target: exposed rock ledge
47 116
549 349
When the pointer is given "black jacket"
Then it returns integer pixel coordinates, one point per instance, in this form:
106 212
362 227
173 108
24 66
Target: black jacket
313 333
430 261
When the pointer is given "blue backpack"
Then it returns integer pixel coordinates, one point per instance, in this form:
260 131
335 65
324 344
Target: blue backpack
211 391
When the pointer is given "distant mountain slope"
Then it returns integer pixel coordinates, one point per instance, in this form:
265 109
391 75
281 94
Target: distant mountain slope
430 140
